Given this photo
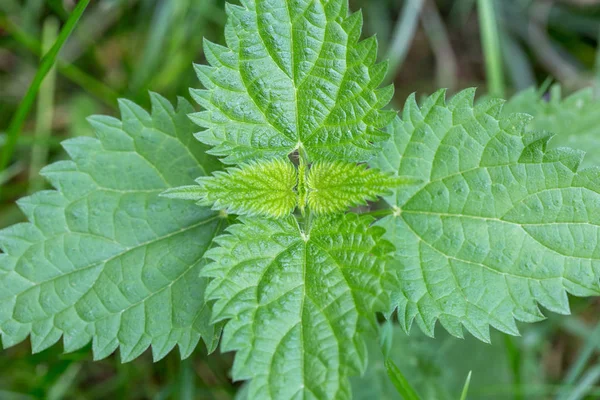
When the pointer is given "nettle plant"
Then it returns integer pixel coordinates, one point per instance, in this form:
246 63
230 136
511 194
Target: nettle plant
481 223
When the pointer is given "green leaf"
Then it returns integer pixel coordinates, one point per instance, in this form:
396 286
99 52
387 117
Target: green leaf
298 304
336 186
575 119
294 75
499 225
399 381
104 258
261 188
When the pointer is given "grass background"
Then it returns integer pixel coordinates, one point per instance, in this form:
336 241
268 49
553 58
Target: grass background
124 48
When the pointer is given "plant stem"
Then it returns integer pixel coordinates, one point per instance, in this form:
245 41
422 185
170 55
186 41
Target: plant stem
490 39
302 191
380 213
45 112
16 123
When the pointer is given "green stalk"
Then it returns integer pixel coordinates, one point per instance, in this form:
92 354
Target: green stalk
380 213
400 382
465 391
69 71
16 123
490 39
45 112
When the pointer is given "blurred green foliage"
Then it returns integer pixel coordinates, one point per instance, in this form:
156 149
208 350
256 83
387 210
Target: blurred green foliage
124 48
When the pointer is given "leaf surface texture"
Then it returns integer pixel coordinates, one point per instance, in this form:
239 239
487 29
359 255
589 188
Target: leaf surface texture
336 186
104 258
298 306
263 188
499 225
294 74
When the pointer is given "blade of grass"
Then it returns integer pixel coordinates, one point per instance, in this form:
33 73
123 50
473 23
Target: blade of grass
400 382
465 391
11 172
514 357
190 17
378 22
577 368
30 14
549 52
160 27
30 140
519 69
69 71
45 111
403 35
65 382
585 385
14 128
490 39
386 337
186 387
435 29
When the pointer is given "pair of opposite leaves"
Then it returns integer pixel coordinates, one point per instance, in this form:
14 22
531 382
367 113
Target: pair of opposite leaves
274 188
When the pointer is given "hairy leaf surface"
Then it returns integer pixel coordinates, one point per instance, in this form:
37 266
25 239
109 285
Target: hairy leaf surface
298 304
294 75
261 188
104 258
499 225
574 119
336 186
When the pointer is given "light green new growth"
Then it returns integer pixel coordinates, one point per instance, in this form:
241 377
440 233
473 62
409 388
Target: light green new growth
575 119
273 188
294 75
499 225
105 259
336 186
263 188
298 304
